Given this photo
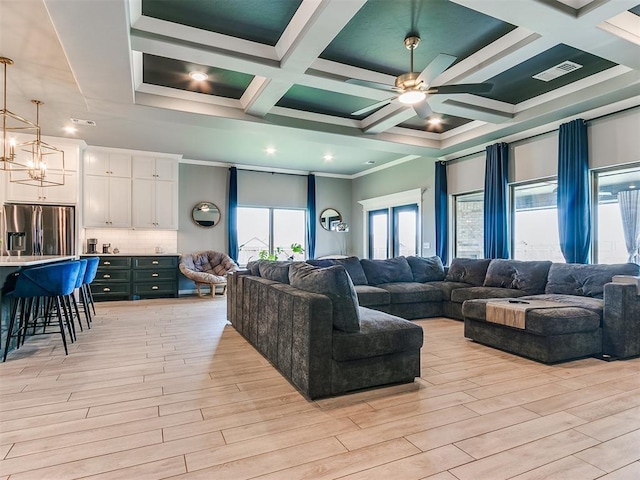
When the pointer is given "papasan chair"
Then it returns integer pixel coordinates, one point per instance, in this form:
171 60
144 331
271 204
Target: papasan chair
207 268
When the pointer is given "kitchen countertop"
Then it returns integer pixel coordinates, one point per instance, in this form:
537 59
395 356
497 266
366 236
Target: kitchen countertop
32 260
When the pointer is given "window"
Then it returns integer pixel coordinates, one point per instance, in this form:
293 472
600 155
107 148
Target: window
469 225
614 219
396 237
270 230
535 222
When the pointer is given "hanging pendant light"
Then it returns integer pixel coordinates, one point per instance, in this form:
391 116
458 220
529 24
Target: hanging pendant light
11 124
44 166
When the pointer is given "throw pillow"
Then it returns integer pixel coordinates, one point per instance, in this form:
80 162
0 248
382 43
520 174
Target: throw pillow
391 270
276 271
351 264
254 267
335 283
426 269
468 270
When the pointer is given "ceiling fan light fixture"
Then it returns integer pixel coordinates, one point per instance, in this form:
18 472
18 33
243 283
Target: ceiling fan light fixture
198 76
411 97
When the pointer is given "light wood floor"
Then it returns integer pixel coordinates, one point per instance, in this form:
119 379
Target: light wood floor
165 389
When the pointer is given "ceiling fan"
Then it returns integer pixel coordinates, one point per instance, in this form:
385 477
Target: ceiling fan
413 87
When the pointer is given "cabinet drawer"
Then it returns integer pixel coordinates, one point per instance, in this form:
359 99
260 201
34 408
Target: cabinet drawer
155 262
102 290
115 262
112 275
154 275
147 289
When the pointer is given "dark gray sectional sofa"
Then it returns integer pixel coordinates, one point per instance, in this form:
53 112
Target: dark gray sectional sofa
594 316
307 322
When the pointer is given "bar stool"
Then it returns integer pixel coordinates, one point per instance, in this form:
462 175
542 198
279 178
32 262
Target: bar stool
50 282
89 276
71 299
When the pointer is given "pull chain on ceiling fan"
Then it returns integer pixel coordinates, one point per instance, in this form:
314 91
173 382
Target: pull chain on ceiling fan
413 87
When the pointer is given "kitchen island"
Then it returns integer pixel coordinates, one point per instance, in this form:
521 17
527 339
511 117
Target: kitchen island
9 265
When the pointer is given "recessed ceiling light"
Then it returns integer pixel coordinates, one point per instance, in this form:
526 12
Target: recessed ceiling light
270 150
434 121
198 76
369 162
632 186
328 157
70 129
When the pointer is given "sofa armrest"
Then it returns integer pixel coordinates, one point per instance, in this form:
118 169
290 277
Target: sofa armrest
304 338
621 320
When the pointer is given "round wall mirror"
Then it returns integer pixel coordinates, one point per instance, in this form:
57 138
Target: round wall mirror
206 214
330 218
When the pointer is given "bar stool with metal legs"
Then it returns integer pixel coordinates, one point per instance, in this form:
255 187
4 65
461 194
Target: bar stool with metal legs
85 290
49 282
71 299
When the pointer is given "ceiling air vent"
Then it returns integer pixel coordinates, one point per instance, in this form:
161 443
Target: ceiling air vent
557 71
78 121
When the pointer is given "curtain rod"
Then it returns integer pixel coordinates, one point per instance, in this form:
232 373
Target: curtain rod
273 173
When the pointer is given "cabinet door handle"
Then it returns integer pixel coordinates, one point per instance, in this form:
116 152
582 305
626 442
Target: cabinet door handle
106 289
107 262
155 287
154 274
155 262
106 275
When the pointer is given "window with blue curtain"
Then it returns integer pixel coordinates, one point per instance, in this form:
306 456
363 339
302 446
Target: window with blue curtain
496 241
574 212
442 212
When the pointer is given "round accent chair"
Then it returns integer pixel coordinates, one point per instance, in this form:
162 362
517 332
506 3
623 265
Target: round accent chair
207 268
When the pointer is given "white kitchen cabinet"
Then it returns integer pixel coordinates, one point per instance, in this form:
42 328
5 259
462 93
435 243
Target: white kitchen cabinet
59 194
154 168
155 204
107 201
107 163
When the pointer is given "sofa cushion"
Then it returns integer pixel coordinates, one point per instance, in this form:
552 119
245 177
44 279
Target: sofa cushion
391 270
370 295
380 334
273 270
351 264
254 267
461 294
468 270
412 292
543 321
335 283
448 287
529 276
426 269
593 304
585 280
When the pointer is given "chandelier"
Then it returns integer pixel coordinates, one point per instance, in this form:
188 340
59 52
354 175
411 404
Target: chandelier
44 164
11 124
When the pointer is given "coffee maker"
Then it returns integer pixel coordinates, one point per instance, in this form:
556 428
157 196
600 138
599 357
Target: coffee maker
92 245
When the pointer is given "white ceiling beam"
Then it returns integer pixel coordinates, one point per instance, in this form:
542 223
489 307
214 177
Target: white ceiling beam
387 117
579 30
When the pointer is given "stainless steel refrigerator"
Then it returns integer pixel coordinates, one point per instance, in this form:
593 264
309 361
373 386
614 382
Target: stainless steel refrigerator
38 230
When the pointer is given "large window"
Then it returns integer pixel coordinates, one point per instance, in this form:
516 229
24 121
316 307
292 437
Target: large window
535 222
469 225
270 231
618 205
393 232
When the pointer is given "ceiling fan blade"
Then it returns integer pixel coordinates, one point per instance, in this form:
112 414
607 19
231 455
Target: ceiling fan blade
372 107
376 85
423 110
436 67
462 88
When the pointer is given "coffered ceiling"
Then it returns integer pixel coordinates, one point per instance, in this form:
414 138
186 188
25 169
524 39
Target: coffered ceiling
289 74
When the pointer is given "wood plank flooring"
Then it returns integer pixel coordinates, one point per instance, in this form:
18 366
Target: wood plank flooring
165 389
